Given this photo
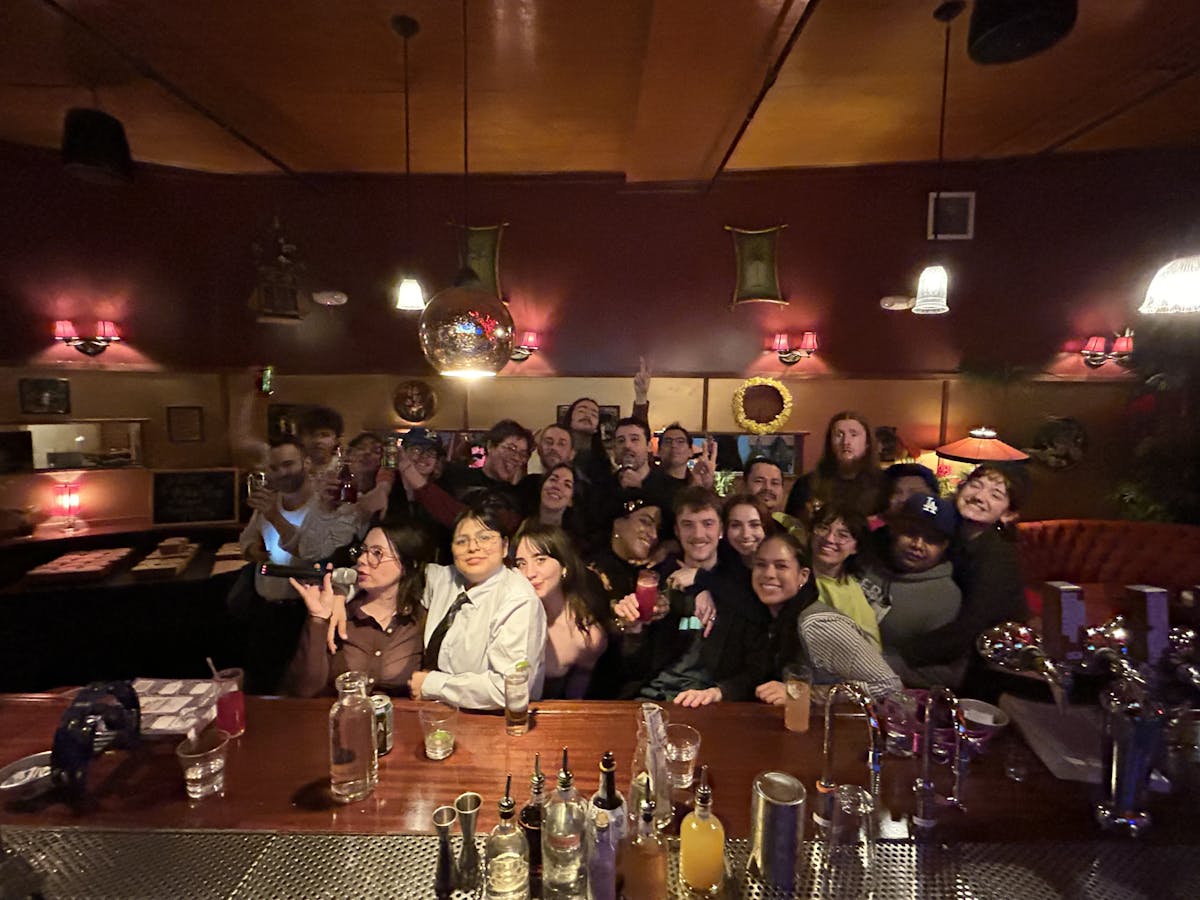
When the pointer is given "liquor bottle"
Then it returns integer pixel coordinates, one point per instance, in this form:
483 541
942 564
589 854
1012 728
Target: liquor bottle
702 845
643 860
353 753
609 799
391 453
507 854
602 860
564 874
530 820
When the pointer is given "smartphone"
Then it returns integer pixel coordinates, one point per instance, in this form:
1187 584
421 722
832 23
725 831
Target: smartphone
304 574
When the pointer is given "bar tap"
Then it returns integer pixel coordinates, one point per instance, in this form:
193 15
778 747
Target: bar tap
827 785
925 815
1017 647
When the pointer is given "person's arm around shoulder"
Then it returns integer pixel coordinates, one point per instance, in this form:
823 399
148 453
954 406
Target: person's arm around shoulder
835 643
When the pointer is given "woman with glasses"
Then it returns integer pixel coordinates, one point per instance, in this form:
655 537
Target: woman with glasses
383 621
482 620
836 535
575 639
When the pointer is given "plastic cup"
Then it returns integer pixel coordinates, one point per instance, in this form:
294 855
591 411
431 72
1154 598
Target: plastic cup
231 702
203 761
438 721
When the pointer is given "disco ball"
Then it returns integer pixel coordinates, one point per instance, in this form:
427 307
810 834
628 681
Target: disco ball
466 333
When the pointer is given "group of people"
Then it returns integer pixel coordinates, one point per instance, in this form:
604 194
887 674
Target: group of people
462 574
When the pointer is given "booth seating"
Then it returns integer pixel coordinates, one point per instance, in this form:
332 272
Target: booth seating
1103 556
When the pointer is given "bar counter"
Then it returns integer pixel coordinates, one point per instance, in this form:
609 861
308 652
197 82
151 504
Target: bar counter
277 774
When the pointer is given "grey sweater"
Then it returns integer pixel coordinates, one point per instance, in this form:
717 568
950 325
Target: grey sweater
920 603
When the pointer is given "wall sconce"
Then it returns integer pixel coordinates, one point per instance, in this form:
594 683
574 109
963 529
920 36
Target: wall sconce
106 333
789 355
531 342
1095 351
66 497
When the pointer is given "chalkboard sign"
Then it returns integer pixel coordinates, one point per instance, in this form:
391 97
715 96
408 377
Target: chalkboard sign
195 496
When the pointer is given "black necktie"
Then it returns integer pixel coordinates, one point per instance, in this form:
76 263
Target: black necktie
429 659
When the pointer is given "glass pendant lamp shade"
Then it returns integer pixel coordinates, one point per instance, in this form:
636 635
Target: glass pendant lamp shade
931 292
466 332
410 297
1174 289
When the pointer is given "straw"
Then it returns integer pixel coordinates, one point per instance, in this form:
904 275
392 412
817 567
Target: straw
208 659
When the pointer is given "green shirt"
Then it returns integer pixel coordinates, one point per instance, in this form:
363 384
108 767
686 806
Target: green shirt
847 597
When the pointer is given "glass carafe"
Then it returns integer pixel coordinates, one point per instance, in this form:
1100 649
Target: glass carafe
353 754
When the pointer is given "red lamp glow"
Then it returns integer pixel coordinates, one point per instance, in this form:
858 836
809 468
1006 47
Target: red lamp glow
531 340
107 331
808 343
789 355
1123 344
1095 344
531 343
781 343
64 330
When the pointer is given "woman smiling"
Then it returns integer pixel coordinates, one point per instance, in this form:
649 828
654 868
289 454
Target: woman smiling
574 638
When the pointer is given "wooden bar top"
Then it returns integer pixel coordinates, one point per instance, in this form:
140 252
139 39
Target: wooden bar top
277 773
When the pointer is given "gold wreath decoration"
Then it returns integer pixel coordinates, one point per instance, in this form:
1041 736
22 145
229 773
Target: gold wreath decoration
745 422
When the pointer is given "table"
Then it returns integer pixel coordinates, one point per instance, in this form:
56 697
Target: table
277 774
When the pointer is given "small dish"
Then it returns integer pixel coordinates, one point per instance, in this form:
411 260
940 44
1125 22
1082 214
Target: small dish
26 778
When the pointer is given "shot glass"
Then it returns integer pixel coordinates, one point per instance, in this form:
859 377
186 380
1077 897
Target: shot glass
203 761
438 721
516 702
683 746
231 702
797 703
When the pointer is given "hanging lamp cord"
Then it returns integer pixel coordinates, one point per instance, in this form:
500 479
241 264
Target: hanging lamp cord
466 144
407 151
937 197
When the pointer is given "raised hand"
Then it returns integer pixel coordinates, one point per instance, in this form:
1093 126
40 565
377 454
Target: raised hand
318 598
704 471
641 381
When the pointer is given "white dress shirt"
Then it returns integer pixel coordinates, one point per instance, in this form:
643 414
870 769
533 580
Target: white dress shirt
503 624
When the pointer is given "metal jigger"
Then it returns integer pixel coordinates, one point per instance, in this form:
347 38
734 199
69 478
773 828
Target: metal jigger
443 879
467 805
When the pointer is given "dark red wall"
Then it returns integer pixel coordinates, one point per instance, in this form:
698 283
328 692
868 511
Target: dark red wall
1064 247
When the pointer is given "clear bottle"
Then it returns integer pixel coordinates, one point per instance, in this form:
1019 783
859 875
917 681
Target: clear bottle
702 845
353 753
530 820
602 859
609 799
643 860
650 763
564 873
507 854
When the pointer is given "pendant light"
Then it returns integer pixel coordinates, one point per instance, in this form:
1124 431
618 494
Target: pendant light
933 285
466 332
1174 289
410 297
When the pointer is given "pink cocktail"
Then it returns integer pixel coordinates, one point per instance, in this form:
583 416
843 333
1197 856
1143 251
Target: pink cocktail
231 702
647 594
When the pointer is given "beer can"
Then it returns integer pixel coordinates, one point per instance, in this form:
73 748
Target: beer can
384 722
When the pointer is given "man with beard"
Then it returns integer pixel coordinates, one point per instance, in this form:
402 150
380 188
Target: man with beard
763 478
273 535
697 653
554 447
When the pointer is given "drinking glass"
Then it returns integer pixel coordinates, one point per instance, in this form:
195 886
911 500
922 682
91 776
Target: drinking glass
683 746
797 704
647 593
516 702
849 851
899 710
231 702
203 761
438 721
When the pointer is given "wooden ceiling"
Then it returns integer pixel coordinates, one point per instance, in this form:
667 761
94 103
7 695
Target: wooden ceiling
658 90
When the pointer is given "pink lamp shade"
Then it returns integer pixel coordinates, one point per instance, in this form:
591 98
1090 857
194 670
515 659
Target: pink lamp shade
67 498
781 343
1095 344
107 330
531 341
982 446
64 330
1123 344
808 342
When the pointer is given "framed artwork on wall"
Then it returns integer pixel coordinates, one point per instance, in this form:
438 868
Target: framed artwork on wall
185 424
45 396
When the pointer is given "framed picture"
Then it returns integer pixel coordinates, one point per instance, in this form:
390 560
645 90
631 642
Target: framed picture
45 396
414 401
185 424
950 216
